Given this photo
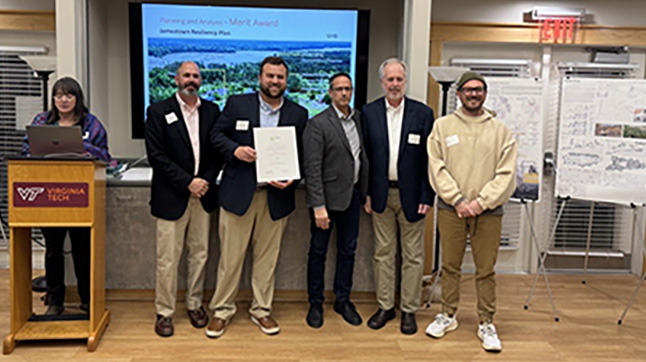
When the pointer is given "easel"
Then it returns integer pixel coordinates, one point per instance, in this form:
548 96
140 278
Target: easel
634 207
589 236
542 255
437 260
643 277
587 243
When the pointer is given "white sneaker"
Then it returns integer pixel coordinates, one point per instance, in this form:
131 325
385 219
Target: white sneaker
490 342
442 324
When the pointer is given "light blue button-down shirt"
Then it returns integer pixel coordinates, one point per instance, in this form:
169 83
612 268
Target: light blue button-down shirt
269 117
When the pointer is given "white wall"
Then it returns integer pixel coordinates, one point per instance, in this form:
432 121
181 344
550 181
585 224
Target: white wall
98 64
28 38
110 62
71 38
416 47
604 12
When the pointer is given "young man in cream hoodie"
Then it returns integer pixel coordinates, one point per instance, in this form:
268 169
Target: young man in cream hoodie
472 163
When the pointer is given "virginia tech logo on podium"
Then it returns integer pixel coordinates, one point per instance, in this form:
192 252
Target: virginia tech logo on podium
50 194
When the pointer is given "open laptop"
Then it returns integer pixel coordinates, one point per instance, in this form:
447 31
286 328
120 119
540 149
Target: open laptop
55 141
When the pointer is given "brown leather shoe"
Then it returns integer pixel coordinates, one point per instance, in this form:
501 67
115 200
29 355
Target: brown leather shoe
198 317
216 327
267 325
164 326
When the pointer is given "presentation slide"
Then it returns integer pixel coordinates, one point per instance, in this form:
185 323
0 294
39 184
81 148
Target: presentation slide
228 44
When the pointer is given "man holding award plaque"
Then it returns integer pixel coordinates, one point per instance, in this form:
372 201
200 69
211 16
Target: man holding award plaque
254 212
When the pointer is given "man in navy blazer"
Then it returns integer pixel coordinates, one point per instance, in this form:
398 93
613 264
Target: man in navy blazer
395 131
183 192
252 214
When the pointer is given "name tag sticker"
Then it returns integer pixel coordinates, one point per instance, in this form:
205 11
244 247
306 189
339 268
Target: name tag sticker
242 125
413 139
171 118
452 140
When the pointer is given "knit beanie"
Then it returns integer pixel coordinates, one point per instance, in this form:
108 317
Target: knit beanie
471 76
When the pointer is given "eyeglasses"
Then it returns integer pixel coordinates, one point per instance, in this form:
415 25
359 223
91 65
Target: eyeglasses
476 90
341 89
60 96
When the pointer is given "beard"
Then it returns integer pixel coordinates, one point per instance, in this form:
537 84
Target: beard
267 92
184 89
475 108
395 96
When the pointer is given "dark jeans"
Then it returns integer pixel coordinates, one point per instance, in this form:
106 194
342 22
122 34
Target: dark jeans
347 227
55 262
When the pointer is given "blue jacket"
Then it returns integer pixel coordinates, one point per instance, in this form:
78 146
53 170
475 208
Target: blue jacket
412 163
239 178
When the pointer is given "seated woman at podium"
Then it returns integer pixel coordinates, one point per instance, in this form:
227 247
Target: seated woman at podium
68 110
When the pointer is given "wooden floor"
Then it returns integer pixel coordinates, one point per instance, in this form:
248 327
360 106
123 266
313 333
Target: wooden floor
588 330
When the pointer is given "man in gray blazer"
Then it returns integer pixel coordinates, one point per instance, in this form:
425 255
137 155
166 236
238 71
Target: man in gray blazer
336 176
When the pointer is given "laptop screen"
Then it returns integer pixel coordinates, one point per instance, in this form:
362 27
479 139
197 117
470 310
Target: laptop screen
54 140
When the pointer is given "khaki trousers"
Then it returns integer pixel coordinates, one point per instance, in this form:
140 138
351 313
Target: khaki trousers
485 241
411 238
192 229
255 228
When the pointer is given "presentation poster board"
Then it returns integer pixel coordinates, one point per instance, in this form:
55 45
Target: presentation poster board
519 103
602 140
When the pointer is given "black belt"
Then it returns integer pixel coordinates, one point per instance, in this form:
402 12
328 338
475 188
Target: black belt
393 185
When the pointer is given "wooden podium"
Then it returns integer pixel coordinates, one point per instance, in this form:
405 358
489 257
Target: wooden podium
55 193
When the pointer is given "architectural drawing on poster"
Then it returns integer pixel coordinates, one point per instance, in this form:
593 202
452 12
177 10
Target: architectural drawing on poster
602 141
519 103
